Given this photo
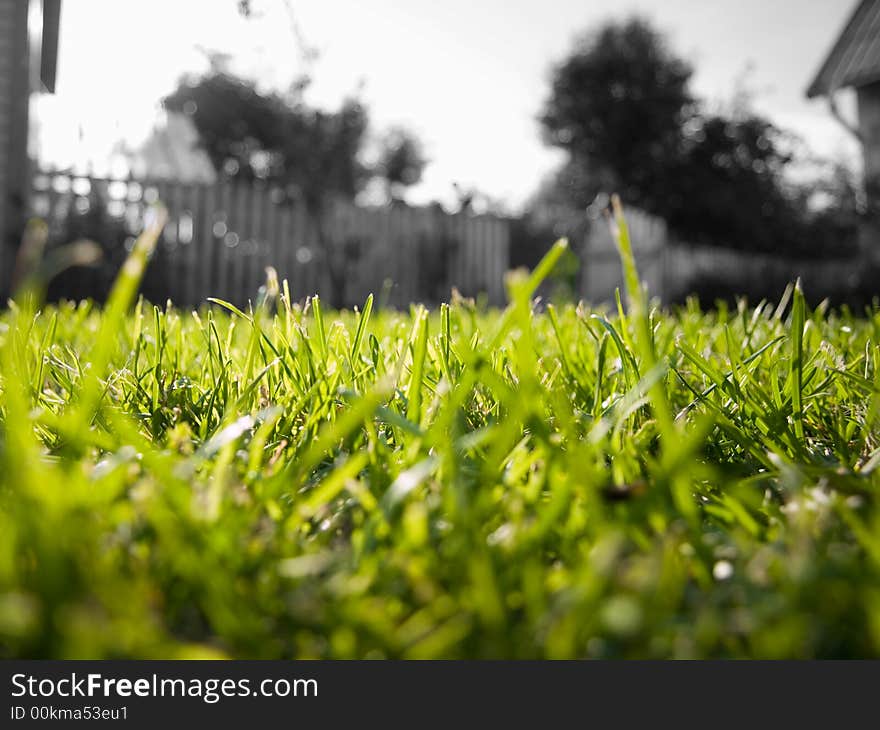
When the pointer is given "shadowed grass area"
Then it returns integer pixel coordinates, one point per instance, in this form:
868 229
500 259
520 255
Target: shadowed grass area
459 483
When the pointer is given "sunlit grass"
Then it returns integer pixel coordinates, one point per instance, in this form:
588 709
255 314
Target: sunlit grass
559 482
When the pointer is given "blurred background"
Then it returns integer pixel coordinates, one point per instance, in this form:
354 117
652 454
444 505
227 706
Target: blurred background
409 149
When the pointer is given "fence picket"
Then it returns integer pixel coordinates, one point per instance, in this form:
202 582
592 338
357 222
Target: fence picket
207 252
242 208
190 243
223 243
285 249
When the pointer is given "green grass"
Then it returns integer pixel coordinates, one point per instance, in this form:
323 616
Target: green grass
535 482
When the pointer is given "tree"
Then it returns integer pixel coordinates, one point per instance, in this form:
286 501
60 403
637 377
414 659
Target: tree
236 124
401 162
727 186
313 155
621 107
617 105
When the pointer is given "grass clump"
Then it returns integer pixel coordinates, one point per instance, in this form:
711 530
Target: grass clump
562 483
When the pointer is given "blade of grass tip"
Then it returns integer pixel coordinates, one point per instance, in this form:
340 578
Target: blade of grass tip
620 233
783 302
285 295
361 328
157 358
546 265
230 307
797 359
636 299
600 374
420 349
535 279
447 337
319 326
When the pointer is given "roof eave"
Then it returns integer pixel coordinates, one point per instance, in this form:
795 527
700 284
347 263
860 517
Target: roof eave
49 49
822 83
856 82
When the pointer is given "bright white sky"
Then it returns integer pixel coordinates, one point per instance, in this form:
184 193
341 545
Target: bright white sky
467 76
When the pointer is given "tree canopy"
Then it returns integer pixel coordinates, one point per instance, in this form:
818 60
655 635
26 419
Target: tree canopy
617 104
621 107
313 154
401 162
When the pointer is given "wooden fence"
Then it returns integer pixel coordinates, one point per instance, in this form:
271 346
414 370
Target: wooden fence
221 237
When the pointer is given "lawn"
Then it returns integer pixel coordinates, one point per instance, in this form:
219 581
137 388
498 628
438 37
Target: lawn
289 482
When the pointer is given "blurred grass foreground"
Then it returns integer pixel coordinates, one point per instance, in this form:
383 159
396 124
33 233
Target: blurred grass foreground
289 482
